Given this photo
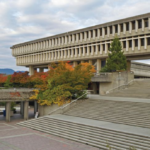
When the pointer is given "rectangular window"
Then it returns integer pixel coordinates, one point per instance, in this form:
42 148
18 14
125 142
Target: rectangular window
91 34
130 43
116 28
100 31
79 36
95 32
110 29
90 48
133 25
121 27
103 47
83 35
142 42
78 50
124 44
139 24
105 30
70 51
136 42
148 41
108 45
146 22
103 63
127 26
85 49
87 33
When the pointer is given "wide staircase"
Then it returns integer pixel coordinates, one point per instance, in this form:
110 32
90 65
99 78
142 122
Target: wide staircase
120 112
117 122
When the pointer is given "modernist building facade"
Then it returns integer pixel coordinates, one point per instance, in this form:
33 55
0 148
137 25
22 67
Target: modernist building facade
89 44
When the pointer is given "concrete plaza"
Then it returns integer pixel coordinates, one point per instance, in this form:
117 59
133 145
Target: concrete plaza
14 137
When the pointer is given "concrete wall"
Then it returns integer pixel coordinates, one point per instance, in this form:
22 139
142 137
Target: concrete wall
118 79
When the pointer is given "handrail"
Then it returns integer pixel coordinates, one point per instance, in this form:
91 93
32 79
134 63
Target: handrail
119 86
62 107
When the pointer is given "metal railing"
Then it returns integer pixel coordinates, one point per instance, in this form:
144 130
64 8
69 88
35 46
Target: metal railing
62 107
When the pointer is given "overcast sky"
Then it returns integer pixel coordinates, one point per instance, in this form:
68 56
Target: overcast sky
24 20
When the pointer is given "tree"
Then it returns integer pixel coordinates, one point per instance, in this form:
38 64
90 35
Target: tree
116 59
64 83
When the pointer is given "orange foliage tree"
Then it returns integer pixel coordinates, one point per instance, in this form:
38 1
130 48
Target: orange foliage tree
65 82
3 79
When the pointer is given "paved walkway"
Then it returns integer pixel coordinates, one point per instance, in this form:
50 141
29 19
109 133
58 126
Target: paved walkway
13 137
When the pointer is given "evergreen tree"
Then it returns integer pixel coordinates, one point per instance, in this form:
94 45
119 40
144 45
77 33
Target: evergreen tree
116 59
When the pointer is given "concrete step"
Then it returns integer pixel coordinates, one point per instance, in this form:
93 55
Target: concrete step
120 112
94 136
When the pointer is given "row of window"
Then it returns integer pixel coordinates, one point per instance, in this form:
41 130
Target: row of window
88 34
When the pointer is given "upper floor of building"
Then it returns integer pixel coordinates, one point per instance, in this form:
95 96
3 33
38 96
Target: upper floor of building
124 28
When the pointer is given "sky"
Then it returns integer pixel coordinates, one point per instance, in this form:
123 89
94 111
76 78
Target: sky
25 20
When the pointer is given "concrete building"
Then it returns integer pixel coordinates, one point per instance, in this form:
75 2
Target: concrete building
140 70
87 45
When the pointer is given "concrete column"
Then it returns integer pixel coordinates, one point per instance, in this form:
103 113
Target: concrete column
118 29
35 107
133 44
98 65
101 48
149 23
130 27
96 49
31 70
90 62
81 37
124 28
8 109
76 52
94 88
106 48
113 30
92 50
128 65
85 36
127 45
103 32
143 25
77 37
26 104
75 63
136 26
41 69
108 31
145 43
139 43
93 34
83 51
88 50
89 35
80 51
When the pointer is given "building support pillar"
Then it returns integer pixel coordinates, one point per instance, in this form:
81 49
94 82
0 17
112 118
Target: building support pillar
8 109
26 104
31 70
98 65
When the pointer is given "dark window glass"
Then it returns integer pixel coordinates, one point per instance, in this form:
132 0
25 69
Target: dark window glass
110 29
116 28
105 31
96 33
87 34
121 27
103 63
148 41
133 25
91 34
124 44
103 47
146 22
100 31
136 42
127 26
142 42
139 24
130 43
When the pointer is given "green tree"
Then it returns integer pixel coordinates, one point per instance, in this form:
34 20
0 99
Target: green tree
8 84
116 59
